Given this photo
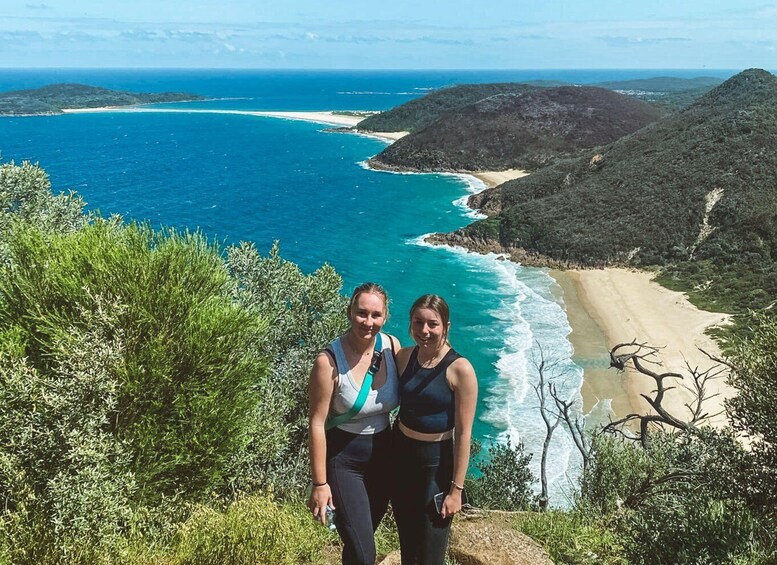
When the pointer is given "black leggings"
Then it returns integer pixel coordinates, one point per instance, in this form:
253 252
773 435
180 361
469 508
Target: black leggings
423 469
358 471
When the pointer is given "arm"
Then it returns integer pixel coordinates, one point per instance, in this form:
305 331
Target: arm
322 379
464 383
395 345
403 356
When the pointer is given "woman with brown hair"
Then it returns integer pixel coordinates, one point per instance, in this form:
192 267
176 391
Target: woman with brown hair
438 395
353 387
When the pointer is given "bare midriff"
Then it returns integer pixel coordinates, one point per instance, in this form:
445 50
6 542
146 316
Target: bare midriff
420 436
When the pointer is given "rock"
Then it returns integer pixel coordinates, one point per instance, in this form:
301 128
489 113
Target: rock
491 540
392 558
488 539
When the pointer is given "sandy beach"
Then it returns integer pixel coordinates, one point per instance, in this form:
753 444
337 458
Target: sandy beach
335 119
611 306
495 178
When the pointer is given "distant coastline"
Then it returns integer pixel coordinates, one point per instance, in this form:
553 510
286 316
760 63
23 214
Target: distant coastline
55 99
604 307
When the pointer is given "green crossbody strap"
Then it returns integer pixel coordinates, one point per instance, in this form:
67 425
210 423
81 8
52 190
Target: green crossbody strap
364 391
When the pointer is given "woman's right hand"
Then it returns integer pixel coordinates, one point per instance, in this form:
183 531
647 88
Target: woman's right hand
320 498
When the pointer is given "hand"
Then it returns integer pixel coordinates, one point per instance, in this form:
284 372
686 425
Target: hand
451 504
320 497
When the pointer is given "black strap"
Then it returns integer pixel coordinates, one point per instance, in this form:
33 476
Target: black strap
329 351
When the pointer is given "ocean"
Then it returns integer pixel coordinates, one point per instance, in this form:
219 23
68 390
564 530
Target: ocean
247 178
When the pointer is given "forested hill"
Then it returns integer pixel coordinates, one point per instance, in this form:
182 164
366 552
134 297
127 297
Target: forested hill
670 93
667 92
52 99
421 112
522 129
696 191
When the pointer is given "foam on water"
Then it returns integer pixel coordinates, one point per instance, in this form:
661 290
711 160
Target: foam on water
531 324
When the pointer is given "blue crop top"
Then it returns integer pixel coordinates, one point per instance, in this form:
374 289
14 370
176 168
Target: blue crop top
426 401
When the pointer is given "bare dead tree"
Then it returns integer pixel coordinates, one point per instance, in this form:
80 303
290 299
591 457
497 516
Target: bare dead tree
642 356
551 420
575 423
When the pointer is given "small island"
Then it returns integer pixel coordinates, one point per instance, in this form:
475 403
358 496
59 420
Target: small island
55 98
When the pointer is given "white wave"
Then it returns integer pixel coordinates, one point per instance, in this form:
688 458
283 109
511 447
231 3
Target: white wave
528 324
366 165
370 93
531 324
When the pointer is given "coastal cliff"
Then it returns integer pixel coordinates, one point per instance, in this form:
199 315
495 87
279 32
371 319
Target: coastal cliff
693 192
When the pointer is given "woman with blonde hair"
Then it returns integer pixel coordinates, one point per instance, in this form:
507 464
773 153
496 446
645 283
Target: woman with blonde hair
438 395
353 387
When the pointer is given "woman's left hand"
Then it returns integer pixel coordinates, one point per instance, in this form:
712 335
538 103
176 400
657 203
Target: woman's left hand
451 504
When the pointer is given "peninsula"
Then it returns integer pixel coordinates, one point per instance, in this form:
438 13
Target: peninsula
55 98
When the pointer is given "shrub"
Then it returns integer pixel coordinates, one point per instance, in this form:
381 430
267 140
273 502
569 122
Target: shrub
305 311
25 195
65 479
505 480
184 371
673 502
251 530
753 409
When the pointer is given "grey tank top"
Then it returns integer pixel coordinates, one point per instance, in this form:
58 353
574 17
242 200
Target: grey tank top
374 415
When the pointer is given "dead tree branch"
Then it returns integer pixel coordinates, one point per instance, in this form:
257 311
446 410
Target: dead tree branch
642 356
575 422
551 421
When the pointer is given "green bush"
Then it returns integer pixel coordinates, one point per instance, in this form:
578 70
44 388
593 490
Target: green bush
25 193
305 311
182 371
252 530
674 502
505 480
66 480
753 409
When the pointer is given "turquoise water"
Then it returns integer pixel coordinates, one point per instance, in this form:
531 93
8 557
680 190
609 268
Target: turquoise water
240 177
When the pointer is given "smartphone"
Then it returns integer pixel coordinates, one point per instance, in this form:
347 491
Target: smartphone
440 496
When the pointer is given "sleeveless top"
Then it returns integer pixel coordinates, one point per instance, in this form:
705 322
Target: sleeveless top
427 403
374 415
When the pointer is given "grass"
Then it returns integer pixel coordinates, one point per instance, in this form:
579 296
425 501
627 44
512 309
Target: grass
569 537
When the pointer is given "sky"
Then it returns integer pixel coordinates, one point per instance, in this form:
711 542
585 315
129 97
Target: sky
390 34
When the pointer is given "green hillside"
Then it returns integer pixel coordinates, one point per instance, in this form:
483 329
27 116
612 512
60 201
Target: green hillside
669 93
665 92
523 129
52 99
696 192
419 113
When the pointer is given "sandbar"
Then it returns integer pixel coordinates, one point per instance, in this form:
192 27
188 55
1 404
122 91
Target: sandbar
338 119
606 307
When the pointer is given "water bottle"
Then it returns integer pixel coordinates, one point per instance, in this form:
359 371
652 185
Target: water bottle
330 518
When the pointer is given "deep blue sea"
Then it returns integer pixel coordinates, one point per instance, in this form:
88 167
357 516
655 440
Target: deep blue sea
240 177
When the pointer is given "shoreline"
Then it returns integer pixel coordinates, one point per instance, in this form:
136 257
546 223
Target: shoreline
606 307
329 118
603 307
